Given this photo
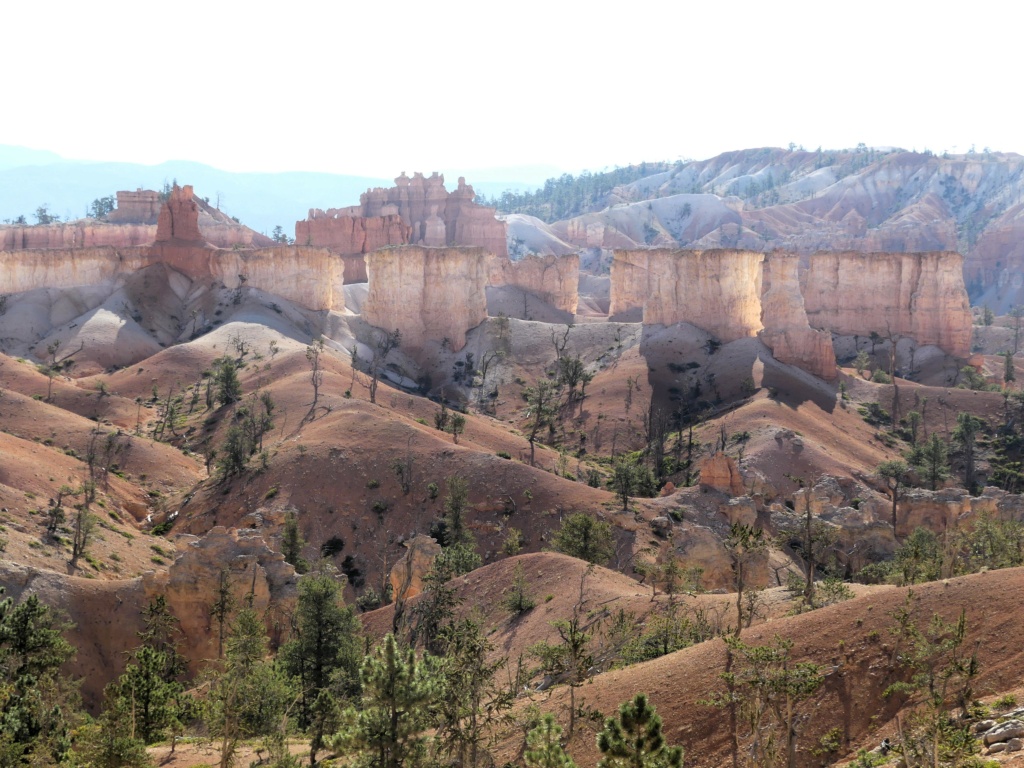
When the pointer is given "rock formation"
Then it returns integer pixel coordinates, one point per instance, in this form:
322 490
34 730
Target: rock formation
407 574
311 277
555 279
786 331
179 218
429 294
139 207
417 211
919 295
133 224
720 473
351 236
247 567
718 291
66 268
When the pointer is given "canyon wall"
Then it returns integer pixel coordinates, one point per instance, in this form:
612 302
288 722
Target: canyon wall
787 332
417 210
429 294
555 279
717 290
918 295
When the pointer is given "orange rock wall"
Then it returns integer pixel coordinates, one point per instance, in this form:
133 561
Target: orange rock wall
919 295
429 294
718 290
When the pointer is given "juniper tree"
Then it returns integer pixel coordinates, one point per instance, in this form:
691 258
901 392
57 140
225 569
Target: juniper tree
586 538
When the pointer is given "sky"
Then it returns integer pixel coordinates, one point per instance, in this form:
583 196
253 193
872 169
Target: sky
374 88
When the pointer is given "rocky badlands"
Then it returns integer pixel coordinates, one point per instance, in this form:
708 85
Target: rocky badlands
772 432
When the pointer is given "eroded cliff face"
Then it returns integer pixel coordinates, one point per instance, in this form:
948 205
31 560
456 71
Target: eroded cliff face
417 210
718 290
787 332
429 294
919 295
555 279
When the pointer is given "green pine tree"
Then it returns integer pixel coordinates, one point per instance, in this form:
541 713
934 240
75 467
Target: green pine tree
544 746
387 729
635 740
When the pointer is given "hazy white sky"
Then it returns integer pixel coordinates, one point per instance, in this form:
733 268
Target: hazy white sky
373 88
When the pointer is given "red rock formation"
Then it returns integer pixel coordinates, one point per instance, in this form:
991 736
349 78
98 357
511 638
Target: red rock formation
718 291
429 294
179 218
786 331
139 207
919 295
555 279
351 236
427 212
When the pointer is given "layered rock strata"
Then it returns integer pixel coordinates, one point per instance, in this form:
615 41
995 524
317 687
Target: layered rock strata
429 294
554 279
718 290
787 333
917 295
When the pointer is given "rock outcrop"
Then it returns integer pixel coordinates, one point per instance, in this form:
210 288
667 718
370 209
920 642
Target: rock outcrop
139 207
407 574
720 473
429 294
554 279
718 291
69 268
919 295
416 211
787 332
239 560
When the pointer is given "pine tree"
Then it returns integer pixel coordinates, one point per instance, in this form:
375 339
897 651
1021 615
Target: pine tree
32 691
544 747
635 739
471 702
388 727
324 651
249 695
